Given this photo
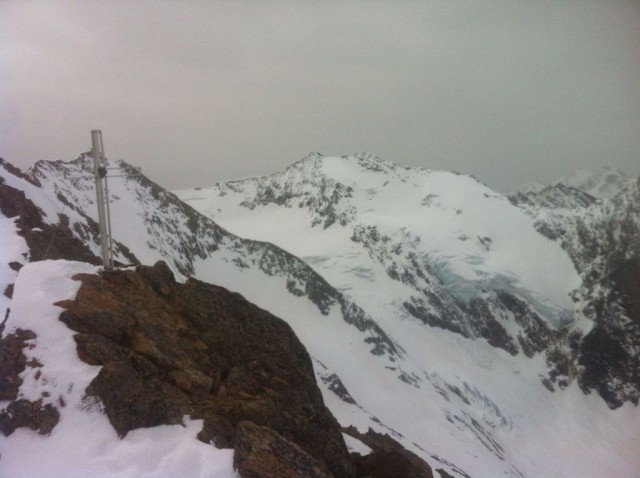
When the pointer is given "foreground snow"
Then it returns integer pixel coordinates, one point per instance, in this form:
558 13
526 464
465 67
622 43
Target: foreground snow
83 443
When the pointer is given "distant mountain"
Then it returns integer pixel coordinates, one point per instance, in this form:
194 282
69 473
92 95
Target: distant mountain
559 196
469 326
605 182
445 247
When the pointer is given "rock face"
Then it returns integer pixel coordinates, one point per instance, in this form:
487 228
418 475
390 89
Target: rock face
261 452
21 413
603 240
388 458
170 350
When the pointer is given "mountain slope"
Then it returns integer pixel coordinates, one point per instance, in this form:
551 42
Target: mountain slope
475 402
440 238
436 247
602 237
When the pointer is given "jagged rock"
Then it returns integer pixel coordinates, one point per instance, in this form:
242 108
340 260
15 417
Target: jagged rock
13 362
61 240
602 239
218 430
553 197
23 413
388 458
609 360
262 453
443 473
20 413
170 350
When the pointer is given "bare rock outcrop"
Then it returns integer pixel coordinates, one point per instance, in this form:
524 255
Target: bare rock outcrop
388 458
261 452
20 412
169 350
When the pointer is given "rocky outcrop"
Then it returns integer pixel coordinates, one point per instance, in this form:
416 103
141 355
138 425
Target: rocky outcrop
20 412
602 237
608 354
262 452
168 350
553 197
388 459
13 362
44 241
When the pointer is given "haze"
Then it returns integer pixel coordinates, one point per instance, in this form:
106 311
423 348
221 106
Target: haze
197 92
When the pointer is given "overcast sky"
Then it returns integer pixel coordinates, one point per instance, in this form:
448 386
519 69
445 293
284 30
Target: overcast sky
200 91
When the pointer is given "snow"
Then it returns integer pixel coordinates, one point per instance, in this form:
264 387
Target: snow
605 182
83 443
14 249
470 407
470 404
355 445
499 239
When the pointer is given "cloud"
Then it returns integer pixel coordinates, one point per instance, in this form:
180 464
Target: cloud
196 92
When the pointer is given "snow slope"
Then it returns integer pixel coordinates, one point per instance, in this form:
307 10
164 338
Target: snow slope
367 225
386 219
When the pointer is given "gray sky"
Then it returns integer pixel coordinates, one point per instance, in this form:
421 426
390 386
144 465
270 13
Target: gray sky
199 91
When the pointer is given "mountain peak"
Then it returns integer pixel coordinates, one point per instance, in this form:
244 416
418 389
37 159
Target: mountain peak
367 161
600 183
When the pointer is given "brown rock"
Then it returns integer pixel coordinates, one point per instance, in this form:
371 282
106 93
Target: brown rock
170 350
23 413
262 453
388 459
13 362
